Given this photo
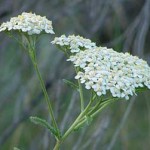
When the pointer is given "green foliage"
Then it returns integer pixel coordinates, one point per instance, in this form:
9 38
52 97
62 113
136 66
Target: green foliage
45 124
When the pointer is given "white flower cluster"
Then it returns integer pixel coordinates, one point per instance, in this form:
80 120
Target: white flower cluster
74 43
28 22
104 69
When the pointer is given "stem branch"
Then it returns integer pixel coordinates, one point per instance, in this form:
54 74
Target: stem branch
57 146
81 95
98 108
32 55
46 96
82 114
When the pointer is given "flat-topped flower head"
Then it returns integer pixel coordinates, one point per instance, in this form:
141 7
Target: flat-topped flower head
74 43
103 69
28 23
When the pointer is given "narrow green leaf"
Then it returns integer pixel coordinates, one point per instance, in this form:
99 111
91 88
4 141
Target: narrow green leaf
71 84
44 123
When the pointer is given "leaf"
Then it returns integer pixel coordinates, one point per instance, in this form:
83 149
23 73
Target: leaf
71 84
44 123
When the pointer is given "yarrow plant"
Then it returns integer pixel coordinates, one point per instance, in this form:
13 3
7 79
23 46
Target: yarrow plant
73 43
103 70
28 23
107 74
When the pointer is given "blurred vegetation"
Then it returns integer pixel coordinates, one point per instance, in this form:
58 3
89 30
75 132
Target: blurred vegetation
121 24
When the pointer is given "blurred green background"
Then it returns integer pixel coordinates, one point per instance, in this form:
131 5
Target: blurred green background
121 24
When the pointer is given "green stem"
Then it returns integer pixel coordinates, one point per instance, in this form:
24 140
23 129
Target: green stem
32 55
81 95
79 84
82 114
95 107
92 108
80 91
20 43
92 115
46 97
57 146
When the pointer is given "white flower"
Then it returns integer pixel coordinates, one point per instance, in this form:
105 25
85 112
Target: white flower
29 23
74 43
103 69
